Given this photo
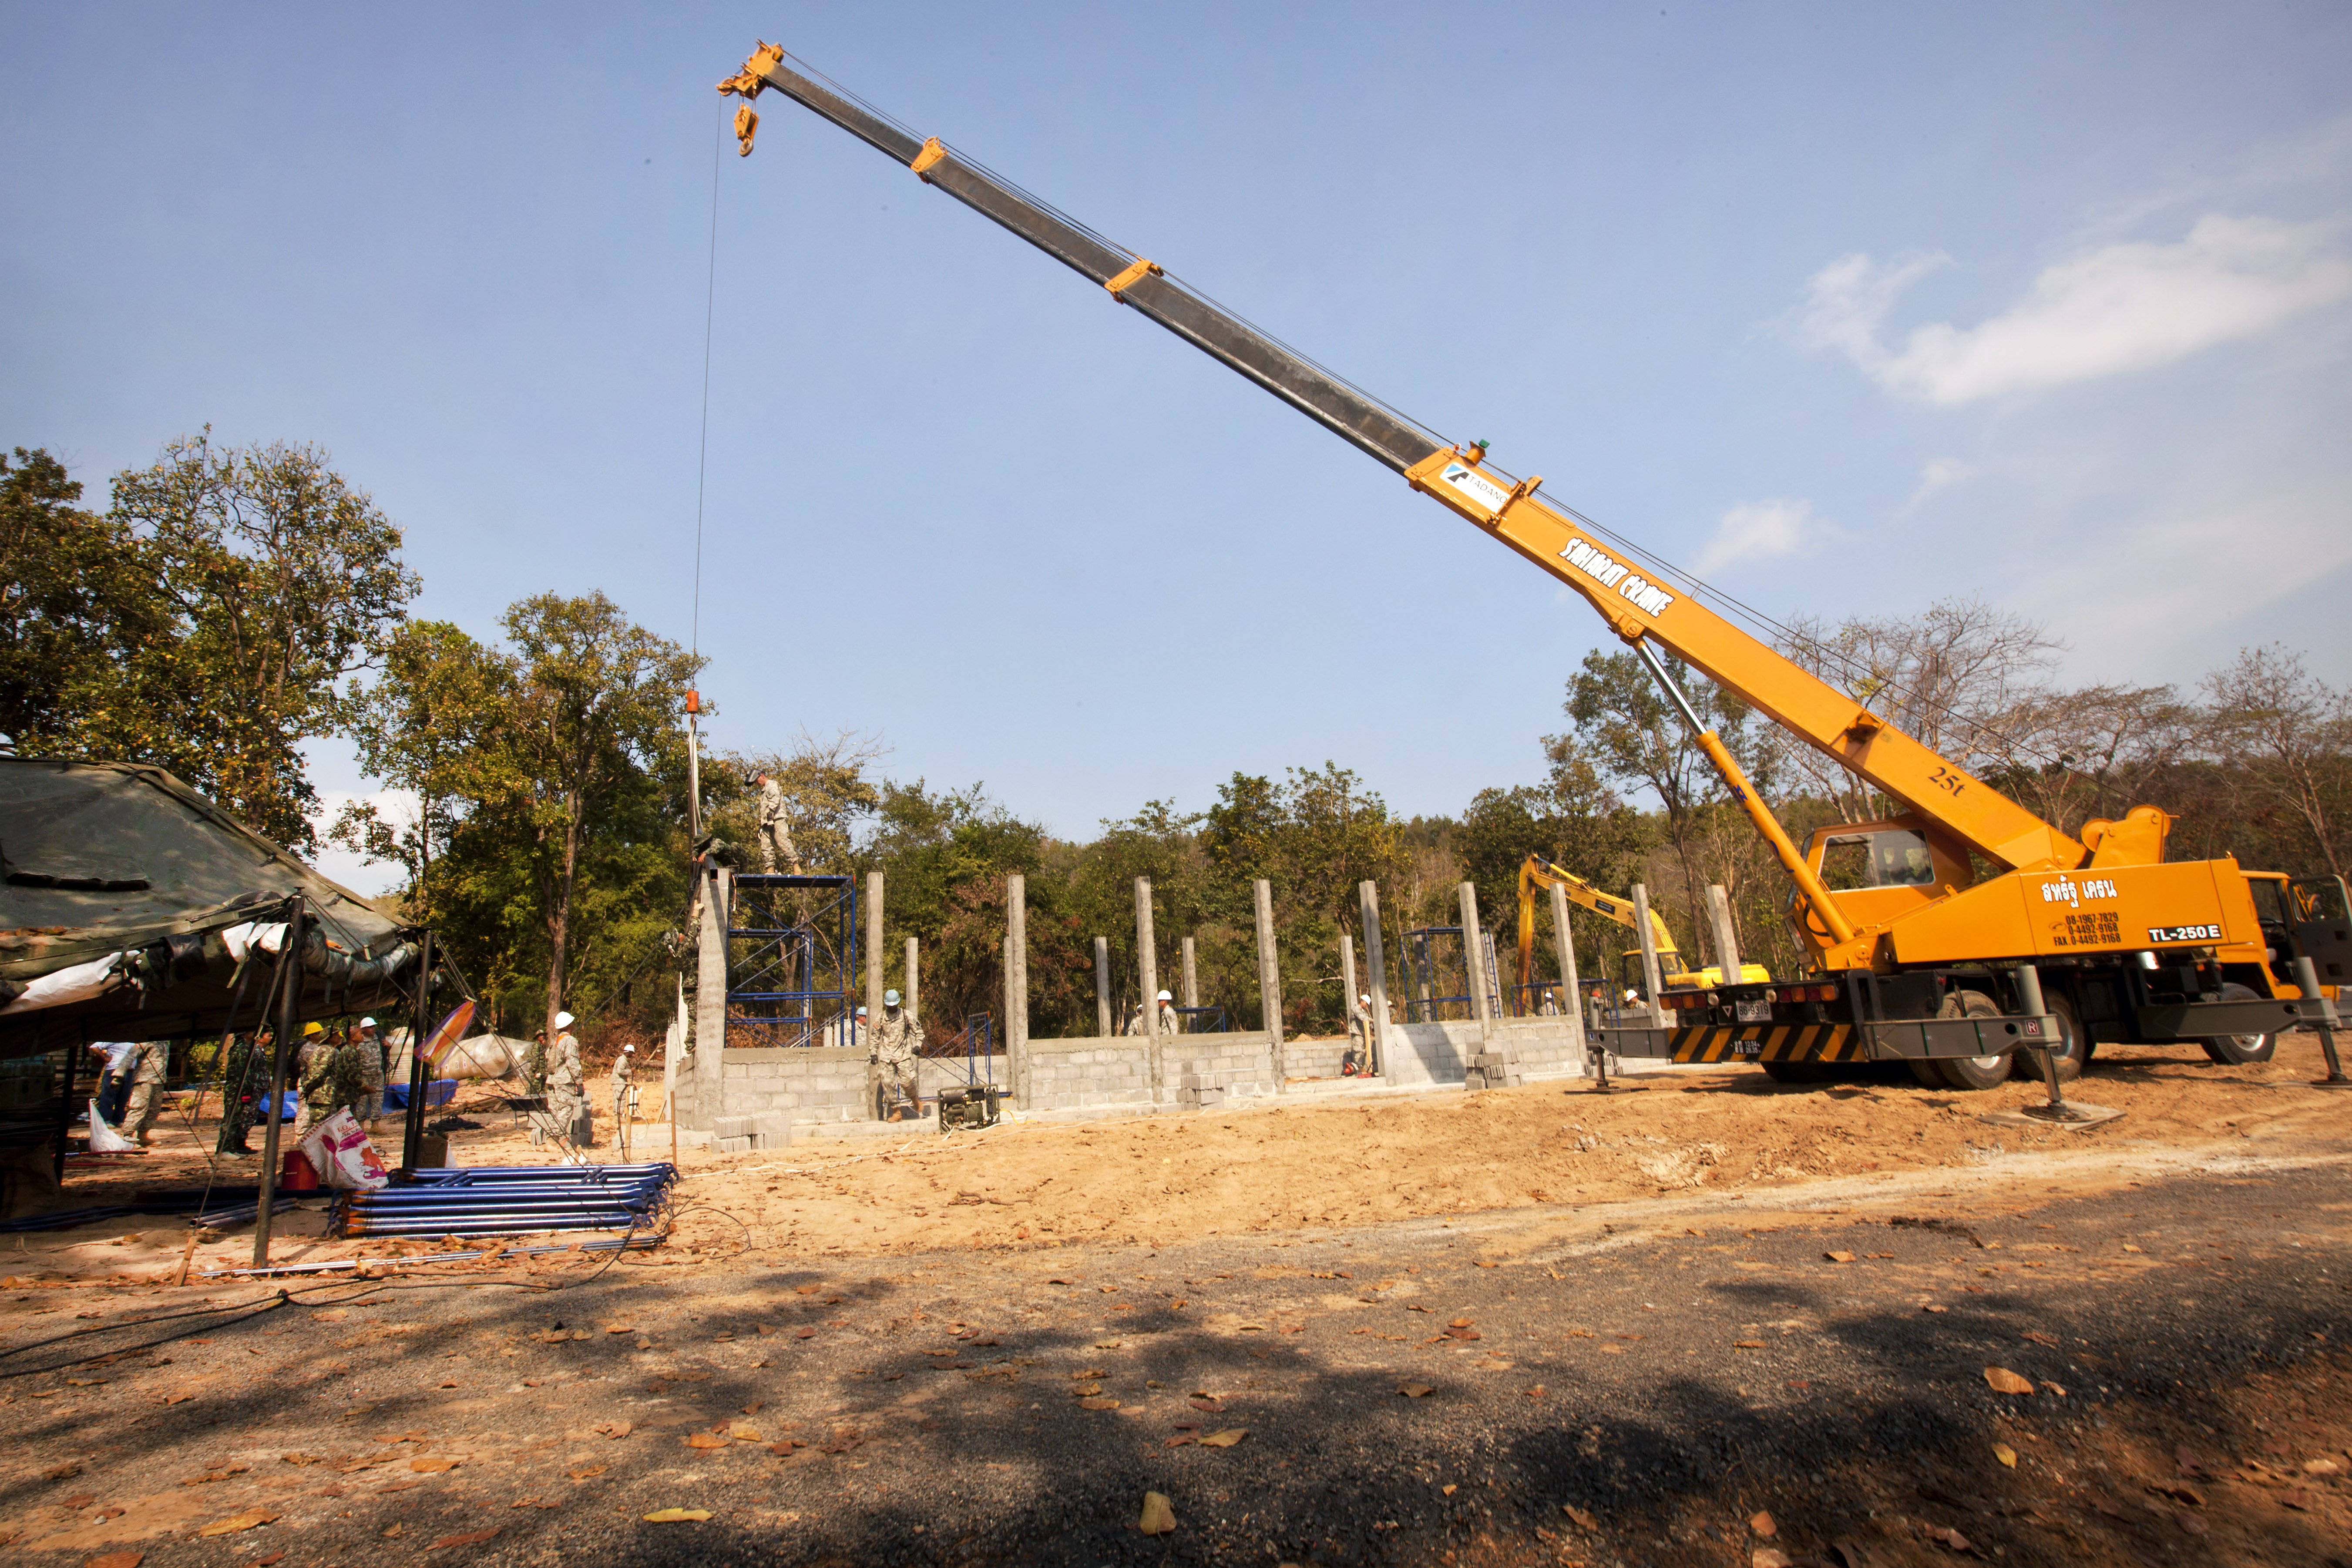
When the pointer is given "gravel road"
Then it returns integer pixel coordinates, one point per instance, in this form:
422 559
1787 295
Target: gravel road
1632 1383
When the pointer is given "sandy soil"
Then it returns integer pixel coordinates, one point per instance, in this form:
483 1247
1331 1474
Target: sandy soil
1264 1169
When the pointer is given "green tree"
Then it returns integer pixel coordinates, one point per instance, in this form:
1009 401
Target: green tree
431 725
206 624
595 721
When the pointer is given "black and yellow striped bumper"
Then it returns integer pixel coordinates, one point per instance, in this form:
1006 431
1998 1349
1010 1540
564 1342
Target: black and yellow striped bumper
1738 1043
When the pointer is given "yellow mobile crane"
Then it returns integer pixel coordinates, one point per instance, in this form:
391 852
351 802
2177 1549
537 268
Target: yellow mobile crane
2059 942
1535 871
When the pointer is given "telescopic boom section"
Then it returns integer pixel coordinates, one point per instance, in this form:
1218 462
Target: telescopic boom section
1636 608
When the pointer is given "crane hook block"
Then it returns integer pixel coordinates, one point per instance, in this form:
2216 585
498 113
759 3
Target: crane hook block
1135 274
747 125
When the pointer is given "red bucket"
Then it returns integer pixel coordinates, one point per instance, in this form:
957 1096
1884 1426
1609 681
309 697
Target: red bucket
296 1174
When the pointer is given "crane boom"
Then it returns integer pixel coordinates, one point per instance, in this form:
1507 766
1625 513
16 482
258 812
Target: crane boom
1635 606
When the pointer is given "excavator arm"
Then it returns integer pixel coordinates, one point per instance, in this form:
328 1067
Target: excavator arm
1641 609
1535 871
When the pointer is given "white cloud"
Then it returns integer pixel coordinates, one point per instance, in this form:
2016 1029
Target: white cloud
1761 530
1938 474
2117 309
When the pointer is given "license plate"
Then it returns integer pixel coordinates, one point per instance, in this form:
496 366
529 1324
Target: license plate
1757 1012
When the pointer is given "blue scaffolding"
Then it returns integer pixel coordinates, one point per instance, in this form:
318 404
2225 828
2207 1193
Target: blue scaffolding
1431 975
791 961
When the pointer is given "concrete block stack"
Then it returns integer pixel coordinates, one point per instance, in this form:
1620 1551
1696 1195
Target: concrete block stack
1202 1090
1497 1068
745 1134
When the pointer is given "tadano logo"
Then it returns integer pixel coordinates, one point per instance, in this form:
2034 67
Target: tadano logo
1476 486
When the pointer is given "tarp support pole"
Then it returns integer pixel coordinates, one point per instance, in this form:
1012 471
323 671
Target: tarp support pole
289 1008
412 1136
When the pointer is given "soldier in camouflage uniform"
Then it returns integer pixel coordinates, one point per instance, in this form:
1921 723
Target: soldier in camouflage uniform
897 1039
368 1045
244 1086
146 1077
331 1080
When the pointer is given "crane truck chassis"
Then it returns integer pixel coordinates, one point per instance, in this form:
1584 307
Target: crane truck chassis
1997 931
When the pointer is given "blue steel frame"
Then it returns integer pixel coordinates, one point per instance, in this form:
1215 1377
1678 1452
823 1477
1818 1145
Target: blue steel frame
1214 1017
791 961
978 1037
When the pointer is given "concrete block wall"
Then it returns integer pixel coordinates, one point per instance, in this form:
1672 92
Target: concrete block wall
1084 1073
1440 1053
818 1083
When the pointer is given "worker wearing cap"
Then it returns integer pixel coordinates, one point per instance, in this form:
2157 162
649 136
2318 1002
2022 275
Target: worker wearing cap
1550 1008
775 831
369 1048
565 1104
894 1042
623 1066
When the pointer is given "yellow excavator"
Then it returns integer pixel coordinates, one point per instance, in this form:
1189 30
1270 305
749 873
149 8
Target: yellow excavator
1980 928
1535 872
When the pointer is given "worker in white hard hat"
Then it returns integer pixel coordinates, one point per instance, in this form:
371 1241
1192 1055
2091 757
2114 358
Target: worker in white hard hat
566 1106
894 1045
369 1047
1359 1037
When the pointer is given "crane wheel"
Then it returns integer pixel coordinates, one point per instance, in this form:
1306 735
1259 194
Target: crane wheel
1795 1072
2233 1050
2072 1060
1971 1073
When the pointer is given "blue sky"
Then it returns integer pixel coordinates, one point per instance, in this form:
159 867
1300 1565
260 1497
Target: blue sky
1851 307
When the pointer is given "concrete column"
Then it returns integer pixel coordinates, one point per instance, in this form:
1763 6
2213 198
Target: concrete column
1649 953
910 992
1269 977
873 949
711 995
1347 1007
1190 994
1726 935
1368 895
1017 985
1474 961
1570 1003
1103 1026
1147 966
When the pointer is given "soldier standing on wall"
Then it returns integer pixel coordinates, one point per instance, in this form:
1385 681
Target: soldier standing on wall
775 832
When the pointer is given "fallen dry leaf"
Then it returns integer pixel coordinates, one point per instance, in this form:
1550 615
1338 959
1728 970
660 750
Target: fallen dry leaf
432 1466
2038 1338
250 1520
1763 1524
705 1440
677 1516
2322 1468
585 1472
613 1428
1582 1520
745 1434
1099 1402
2005 1453
473 1538
1449 1489
115 1559
2004 1381
1159 1516
1839 1256
1226 1438
1950 1539
1415 1390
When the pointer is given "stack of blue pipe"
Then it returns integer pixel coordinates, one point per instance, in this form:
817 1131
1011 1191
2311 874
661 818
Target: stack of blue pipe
509 1200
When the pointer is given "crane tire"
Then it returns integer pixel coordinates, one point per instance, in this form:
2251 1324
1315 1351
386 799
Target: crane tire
1971 1073
2073 1059
2236 1050
1795 1072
